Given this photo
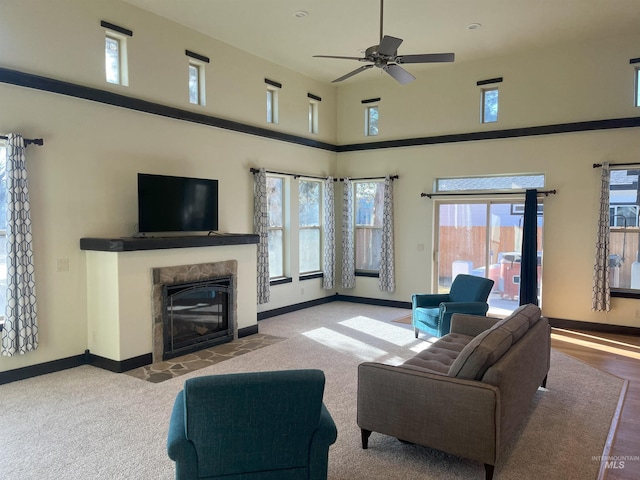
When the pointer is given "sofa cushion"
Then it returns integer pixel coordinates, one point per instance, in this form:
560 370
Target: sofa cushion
529 311
482 352
439 356
517 325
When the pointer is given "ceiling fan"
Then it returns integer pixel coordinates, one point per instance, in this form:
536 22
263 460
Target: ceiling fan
385 56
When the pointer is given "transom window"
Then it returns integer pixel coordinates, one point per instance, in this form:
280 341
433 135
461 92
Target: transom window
489 105
272 105
310 201
313 116
196 83
637 86
115 58
369 206
490 183
371 120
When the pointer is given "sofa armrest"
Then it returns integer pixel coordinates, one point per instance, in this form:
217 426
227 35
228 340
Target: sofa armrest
471 325
428 299
457 416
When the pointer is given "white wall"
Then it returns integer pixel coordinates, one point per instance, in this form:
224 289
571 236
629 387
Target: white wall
574 83
83 180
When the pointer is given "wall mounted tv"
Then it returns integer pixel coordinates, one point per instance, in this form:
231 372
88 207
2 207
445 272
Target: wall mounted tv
176 204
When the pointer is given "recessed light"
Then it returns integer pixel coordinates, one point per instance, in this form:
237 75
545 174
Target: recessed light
300 14
474 26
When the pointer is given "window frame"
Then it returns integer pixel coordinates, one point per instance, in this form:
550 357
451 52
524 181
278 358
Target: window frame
3 230
483 104
281 228
367 120
318 227
272 105
200 82
363 271
637 86
313 116
122 58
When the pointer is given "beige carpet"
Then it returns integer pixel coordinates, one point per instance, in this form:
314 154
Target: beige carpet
87 423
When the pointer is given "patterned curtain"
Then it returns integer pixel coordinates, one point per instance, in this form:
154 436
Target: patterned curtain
348 251
387 279
328 279
261 227
20 332
601 291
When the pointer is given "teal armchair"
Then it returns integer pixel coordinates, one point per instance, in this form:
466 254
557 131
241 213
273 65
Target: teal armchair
246 426
431 313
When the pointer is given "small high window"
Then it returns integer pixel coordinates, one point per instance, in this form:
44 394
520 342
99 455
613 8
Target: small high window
196 83
489 105
371 120
313 116
115 58
272 105
637 86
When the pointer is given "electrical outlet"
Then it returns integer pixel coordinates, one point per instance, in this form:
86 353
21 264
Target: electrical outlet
62 265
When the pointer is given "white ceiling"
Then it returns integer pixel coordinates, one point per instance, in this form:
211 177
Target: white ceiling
268 28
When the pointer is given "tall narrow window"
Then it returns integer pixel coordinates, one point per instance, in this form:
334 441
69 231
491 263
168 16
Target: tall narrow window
313 116
637 86
115 58
371 120
196 83
275 208
489 105
3 231
369 206
309 225
272 105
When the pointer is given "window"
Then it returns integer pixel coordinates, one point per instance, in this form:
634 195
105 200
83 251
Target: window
637 86
115 58
309 225
272 105
489 105
313 116
503 182
371 121
369 205
624 233
196 83
3 232
275 208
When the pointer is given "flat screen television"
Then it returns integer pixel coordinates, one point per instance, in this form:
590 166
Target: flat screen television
176 204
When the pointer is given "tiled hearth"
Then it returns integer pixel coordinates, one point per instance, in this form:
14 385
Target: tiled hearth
161 371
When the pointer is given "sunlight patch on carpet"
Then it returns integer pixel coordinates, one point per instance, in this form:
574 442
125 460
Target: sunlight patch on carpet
384 330
345 344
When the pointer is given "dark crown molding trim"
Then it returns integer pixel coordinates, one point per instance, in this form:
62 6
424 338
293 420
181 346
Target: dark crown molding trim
197 56
37 82
497 134
371 100
116 28
28 80
314 97
273 83
634 60
489 81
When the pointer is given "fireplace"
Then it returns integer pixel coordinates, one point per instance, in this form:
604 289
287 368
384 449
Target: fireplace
196 316
194 307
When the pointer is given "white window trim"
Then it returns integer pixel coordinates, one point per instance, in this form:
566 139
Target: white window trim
314 106
367 118
484 92
357 227
273 93
636 100
319 227
200 67
283 228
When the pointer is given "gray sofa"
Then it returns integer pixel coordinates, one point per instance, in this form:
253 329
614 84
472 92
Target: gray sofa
464 395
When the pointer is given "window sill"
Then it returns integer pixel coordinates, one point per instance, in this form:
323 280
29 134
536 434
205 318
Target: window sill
280 281
368 274
310 276
625 293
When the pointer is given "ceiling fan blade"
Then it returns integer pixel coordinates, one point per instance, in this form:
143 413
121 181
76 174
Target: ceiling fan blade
351 74
426 58
342 58
389 45
400 74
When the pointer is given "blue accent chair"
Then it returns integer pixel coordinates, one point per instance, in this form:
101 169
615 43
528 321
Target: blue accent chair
245 426
431 313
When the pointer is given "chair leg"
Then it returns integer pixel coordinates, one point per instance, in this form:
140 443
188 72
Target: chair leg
365 434
544 382
488 469
415 332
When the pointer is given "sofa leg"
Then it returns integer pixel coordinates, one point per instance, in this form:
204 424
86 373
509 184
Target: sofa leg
488 469
544 382
365 438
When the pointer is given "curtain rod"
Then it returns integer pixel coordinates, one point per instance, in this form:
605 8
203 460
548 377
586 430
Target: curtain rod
546 193
597 165
298 175
27 141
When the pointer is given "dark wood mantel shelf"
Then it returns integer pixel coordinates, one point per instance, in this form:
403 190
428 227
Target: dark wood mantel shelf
131 244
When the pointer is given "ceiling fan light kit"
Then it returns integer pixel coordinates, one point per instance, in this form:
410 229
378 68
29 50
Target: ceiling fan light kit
385 56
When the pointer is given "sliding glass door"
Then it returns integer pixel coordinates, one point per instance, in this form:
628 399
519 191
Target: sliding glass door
484 238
